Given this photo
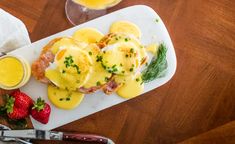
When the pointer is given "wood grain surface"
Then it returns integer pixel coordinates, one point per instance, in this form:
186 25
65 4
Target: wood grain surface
196 107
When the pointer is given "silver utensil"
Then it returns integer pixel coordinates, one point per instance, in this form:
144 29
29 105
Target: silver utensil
7 139
53 135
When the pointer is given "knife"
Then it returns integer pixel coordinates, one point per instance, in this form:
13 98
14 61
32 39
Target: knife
53 135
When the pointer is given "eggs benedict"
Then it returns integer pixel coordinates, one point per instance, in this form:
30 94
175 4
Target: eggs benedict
90 61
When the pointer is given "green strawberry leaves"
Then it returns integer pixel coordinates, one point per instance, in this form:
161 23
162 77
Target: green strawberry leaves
9 104
39 104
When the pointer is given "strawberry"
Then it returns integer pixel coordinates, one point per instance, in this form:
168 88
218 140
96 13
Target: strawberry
18 105
41 111
22 100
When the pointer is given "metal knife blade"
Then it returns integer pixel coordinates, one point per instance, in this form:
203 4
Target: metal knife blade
53 135
32 134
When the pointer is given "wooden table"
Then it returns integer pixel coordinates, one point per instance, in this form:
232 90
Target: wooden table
196 107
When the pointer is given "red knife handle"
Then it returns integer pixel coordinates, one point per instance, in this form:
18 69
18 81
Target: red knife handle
85 138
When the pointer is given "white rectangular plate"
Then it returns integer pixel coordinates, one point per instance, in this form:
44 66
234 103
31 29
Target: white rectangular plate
152 31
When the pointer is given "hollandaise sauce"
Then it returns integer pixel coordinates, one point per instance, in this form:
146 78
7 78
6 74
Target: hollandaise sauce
152 48
131 88
14 72
64 99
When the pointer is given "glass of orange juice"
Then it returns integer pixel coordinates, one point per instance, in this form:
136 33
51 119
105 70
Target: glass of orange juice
79 11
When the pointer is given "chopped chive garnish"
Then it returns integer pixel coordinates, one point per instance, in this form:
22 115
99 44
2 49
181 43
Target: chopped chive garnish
69 62
132 50
98 83
106 79
77 68
115 69
99 58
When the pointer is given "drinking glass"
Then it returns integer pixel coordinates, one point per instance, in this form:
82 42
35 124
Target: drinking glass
79 11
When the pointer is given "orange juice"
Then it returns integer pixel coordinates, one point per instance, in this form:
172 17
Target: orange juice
97 4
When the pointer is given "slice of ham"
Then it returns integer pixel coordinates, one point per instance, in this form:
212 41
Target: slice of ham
111 87
105 40
89 90
39 66
108 88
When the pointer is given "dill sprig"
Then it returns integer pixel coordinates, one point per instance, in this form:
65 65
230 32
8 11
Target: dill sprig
157 66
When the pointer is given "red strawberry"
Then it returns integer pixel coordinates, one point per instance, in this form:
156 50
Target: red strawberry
18 105
41 111
22 100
